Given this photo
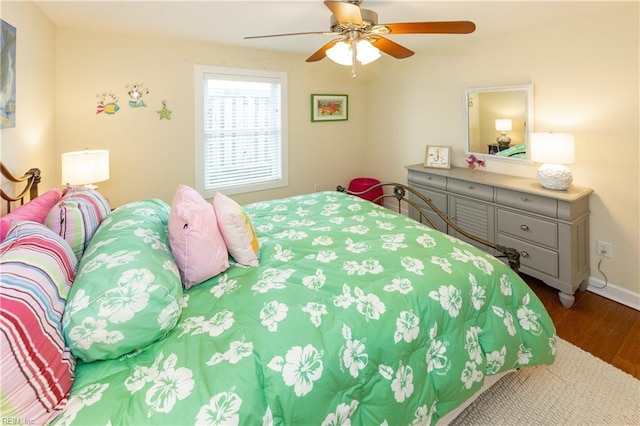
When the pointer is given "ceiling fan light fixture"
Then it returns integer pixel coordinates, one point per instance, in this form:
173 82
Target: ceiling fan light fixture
366 52
340 53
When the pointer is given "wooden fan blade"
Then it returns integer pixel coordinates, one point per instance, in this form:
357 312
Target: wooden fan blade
444 27
391 48
345 13
322 52
288 34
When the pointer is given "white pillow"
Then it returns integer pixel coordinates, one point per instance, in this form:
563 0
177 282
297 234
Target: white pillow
236 229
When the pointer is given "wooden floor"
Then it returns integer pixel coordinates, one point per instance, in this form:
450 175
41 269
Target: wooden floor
604 328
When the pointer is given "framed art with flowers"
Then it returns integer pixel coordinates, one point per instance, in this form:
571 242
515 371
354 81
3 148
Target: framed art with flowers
329 107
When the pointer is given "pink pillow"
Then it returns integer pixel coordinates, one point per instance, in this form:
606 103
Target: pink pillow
35 210
195 240
236 229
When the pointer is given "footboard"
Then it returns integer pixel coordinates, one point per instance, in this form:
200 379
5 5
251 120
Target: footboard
31 180
400 191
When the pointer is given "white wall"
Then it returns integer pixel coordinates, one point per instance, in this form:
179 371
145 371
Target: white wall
586 81
31 143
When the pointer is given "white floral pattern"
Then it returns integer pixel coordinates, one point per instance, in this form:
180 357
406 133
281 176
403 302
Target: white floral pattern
315 311
354 309
121 303
169 383
238 350
354 357
342 415
222 410
407 327
224 286
450 299
402 385
316 281
272 313
91 331
214 326
300 368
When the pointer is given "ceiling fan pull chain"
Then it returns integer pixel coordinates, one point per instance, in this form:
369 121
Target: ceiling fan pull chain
353 59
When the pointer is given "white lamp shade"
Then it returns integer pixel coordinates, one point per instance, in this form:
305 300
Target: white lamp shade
503 125
85 167
553 148
340 53
366 52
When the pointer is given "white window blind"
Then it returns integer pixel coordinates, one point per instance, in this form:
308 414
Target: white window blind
242 130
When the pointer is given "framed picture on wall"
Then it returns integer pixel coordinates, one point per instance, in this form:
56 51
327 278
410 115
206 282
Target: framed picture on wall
329 107
8 80
438 157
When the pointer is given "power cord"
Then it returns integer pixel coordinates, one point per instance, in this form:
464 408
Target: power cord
606 280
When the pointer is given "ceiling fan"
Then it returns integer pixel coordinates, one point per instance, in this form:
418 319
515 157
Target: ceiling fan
361 38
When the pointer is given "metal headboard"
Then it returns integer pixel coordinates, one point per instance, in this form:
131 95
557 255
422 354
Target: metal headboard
31 179
399 192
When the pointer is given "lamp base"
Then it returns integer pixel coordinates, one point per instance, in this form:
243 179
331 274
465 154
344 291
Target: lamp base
86 186
503 140
554 176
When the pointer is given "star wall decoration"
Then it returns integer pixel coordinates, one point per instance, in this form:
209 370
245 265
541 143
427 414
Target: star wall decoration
164 113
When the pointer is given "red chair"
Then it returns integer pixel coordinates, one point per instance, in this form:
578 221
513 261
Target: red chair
362 184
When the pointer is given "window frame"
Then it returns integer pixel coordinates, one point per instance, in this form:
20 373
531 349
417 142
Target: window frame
201 74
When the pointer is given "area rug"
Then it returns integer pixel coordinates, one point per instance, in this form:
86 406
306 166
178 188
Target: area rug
577 389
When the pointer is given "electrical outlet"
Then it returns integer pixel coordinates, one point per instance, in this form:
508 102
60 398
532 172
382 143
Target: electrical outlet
604 249
316 187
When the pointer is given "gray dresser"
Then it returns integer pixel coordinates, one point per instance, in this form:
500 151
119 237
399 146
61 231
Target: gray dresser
549 228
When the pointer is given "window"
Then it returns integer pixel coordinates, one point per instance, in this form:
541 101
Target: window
241 130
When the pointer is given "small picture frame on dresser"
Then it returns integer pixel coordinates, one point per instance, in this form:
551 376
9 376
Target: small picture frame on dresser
438 157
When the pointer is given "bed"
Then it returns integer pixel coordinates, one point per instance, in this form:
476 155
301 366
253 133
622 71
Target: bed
325 308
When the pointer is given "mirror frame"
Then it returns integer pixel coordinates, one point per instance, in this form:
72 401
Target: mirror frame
528 90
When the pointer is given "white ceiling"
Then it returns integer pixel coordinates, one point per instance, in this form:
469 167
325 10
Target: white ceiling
227 22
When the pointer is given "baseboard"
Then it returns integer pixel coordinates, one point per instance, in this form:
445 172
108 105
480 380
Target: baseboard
615 293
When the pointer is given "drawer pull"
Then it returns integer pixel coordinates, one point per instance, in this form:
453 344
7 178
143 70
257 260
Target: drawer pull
428 177
524 254
524 198
469 186
524 227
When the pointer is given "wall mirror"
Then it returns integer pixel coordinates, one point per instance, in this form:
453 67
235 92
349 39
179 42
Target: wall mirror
497 122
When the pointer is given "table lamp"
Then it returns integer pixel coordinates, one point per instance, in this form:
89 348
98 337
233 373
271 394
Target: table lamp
503 125
554 150
85 168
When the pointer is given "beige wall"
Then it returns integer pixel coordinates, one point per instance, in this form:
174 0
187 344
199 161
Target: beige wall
586 81
150 157
584 71
31 143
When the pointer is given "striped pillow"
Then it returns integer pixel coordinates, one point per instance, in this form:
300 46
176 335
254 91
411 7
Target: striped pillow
76 217
38 268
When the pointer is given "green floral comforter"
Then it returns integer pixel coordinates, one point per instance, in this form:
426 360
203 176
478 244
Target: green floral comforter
355 314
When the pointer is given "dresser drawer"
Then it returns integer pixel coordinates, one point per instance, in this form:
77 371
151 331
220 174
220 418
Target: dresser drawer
427 179
437 198
528 228
471 189
527 202
538 258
